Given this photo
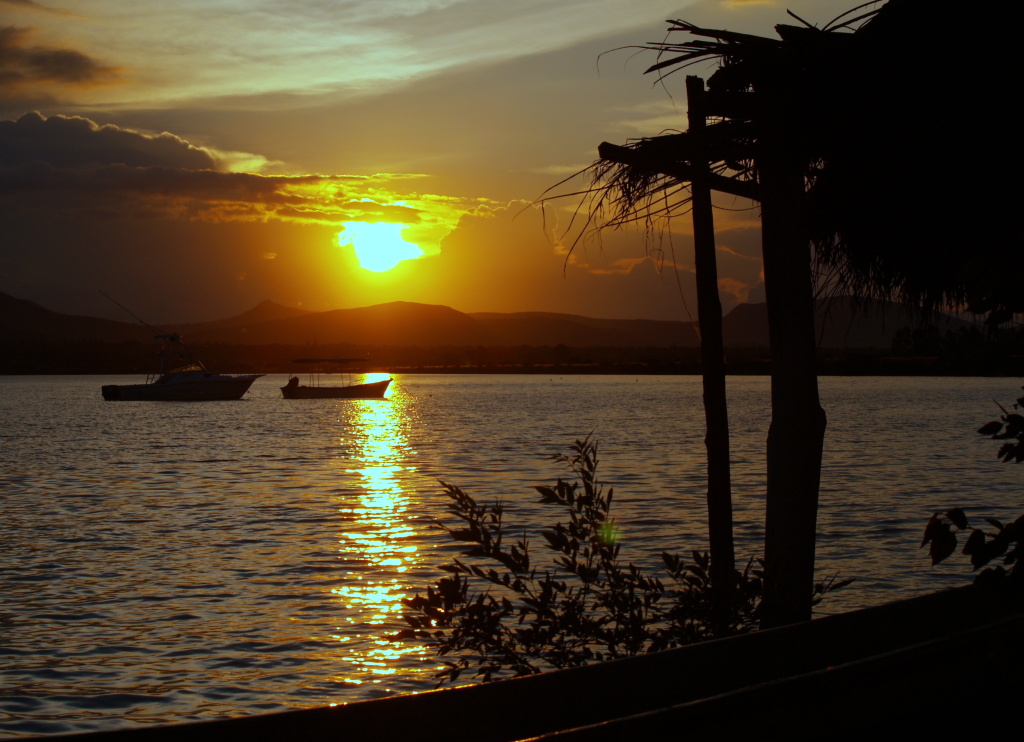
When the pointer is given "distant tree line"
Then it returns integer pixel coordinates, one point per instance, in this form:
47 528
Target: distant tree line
928 351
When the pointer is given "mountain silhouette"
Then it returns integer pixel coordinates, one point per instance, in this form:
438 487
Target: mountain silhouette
409 324
25 321
265 311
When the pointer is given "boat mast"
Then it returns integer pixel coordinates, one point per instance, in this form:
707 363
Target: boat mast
158 334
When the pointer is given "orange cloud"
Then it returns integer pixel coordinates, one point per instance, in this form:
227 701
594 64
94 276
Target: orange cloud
71 164
24 67
88 205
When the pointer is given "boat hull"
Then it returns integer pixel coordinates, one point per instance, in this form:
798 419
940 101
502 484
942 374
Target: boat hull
373 390
217 388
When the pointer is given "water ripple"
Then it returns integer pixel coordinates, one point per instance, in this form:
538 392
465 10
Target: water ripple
181 562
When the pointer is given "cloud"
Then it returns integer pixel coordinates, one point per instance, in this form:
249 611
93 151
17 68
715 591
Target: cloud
220 50
32 5
73 141
90 203
24 67
104 205
242 162
664 246
71 164
177 266
655 117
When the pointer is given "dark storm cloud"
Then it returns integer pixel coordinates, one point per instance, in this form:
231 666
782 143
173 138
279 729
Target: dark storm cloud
23 67
70 165
149 181
72 141
122 191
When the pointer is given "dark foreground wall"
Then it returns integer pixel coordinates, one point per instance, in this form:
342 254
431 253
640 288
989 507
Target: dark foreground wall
944 663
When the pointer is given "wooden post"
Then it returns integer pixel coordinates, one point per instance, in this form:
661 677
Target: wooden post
797 431
709 317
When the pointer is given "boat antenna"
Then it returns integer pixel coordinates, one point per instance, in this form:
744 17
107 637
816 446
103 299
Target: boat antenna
138 319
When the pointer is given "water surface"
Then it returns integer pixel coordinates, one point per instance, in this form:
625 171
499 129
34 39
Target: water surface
166 562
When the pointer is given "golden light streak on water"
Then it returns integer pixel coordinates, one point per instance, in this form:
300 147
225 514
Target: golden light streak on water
378 539
223 520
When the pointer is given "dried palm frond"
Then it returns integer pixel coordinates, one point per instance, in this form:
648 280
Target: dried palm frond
901 202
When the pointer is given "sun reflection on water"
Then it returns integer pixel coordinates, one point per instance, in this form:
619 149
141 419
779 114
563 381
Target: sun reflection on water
378 541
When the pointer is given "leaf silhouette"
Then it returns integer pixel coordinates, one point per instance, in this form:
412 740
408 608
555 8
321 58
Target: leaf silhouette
991 428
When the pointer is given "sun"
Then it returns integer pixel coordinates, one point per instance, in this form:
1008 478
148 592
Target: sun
379 246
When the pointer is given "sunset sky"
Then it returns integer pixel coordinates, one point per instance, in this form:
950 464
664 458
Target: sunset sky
192 159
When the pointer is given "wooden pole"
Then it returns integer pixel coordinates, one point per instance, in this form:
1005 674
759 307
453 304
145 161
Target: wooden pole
709 317
797 431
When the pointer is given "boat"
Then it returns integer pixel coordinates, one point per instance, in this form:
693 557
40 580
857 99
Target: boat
190 382
348 389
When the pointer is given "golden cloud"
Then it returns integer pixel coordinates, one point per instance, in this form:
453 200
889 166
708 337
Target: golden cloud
66 164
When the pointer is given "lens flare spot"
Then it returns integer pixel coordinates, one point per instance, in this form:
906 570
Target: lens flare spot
609 533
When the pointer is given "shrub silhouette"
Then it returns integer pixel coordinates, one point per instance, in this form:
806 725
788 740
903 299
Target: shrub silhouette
501 614
1004 543
941 533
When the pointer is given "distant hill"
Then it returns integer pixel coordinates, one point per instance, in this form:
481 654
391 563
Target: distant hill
265 311
839 324
546 328
397 323
26 321
425 325
406 324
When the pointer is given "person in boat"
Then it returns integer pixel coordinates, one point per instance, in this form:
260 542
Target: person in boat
293 382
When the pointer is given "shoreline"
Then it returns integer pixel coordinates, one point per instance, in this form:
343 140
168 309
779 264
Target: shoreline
898 368
93 358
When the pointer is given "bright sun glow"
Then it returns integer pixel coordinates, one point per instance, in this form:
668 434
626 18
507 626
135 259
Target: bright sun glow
379 246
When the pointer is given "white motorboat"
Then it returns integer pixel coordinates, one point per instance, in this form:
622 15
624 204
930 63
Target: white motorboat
191 382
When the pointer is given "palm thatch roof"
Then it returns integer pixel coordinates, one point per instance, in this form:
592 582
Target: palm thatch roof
900 116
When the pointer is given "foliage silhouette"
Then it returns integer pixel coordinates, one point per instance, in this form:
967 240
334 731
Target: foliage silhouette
940 535
501 614
1010 427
